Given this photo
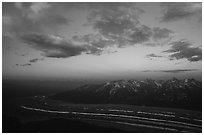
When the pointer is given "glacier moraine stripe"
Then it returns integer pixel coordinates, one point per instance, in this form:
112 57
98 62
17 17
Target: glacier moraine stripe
114 110
197 120
184 118
158 114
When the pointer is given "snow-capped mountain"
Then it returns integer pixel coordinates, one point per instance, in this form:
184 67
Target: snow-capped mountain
185 93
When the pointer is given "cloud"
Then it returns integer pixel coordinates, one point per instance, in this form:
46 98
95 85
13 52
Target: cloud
32 10
96 40
36 8
183 49
98 44
178 70
171 71
18 5
33 17
57 19
152 44
114 25
159 36
140 34
53 46
23 65
27 64
161 33
120 22
51 22
180 10
35 60
57 47
107 10
152 55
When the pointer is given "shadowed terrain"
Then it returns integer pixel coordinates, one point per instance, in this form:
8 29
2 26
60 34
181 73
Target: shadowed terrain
119 106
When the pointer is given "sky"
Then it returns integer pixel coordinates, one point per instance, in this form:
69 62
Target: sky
101 40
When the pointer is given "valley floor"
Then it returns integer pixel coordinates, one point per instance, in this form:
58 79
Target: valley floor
56 116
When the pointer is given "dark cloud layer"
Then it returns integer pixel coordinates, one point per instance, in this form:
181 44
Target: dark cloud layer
183 49
24 65
57 47
171 71
116 24
53 46
180 10
152 55
35 60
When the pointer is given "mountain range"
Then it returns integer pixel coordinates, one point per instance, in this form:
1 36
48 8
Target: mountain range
186 94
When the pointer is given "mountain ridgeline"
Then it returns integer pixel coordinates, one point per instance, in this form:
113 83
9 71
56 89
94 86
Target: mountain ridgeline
186 94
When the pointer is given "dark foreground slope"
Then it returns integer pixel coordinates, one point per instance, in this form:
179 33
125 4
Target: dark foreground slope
54 125
42 114
63 117
176 93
